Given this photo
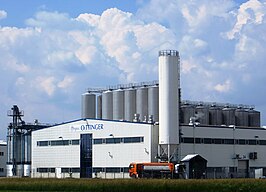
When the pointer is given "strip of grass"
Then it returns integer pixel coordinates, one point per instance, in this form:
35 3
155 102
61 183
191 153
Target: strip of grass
134 185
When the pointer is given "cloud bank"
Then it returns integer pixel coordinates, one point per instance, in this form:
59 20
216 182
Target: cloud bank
47 65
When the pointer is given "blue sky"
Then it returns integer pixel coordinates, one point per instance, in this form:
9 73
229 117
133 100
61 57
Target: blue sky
51 51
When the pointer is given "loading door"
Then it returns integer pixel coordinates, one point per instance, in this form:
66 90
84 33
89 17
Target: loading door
242 169
86 156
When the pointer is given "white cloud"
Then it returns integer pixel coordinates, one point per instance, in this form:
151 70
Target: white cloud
223 87
52 60
3 14
252 11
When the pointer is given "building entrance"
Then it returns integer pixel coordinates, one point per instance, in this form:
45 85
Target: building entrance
86 156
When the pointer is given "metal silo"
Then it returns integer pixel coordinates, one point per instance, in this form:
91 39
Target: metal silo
241 117
118 104
88 104
130 104
107 105
168 104
153 102
99 107
228 116
142 102
202 113
215 115
187 111
253 118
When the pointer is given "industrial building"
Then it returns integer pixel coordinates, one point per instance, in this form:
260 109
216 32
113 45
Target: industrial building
148 122
3 158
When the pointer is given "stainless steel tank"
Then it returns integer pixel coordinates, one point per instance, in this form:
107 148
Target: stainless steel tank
187 111
9 169
241 117
118 104
99 107
153 103
26 171
228 116
253 118
88 105
130 104
202 113
107 105
142 102
215 115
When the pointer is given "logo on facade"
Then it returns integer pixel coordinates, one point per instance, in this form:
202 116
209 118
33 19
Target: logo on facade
87 127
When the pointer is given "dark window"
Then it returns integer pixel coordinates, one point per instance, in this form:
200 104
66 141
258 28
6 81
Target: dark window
65 170
42 170
252 142
75 170
75 142
1 153
262 142
207 140
133 139
229 141
97 169
42 143
97 141
52 170
217 141
113 170
198 140
242 142
60 142
126 169
188 140
1 169
113 140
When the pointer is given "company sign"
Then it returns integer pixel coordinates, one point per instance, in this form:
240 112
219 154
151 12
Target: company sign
87 127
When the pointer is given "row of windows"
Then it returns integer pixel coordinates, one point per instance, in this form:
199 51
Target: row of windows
58 142
95 141
1 153
63 170
77 170
118 140
223 141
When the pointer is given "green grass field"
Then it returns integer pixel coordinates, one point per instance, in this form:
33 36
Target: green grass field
208 185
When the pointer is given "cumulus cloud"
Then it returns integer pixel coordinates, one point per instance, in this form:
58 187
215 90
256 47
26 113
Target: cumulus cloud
252 11
3 14
51 61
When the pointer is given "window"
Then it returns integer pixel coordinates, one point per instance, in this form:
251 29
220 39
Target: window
113 170
75 142
133 139
1 169
229 141
112 140
65 170
59 142
252 142
42 170
97 141
1 153
188 140
42 143
207 140
242 141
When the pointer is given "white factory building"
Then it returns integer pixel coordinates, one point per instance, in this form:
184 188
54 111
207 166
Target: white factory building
148 122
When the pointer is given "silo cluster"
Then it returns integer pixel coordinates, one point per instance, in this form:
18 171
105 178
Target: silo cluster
122 104
212 114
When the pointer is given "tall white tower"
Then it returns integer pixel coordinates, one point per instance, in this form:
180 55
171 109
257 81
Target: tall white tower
168 104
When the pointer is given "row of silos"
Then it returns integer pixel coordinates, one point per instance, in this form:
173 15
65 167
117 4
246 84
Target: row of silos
122 104
220 115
